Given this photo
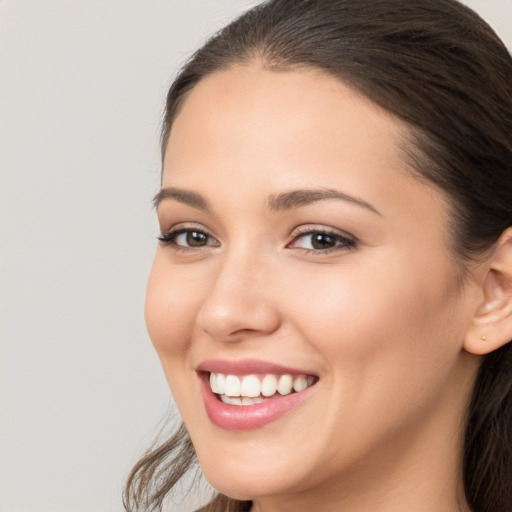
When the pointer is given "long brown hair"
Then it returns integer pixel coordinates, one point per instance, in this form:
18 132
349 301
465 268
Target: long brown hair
440 68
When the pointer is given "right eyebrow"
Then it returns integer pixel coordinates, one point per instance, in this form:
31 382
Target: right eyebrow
187 197
302 197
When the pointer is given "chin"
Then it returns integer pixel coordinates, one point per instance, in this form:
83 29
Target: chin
249 481
245 486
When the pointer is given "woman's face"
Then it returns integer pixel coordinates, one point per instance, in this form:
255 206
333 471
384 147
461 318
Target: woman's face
299 249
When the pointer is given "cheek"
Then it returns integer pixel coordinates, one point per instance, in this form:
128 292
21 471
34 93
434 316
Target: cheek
171 305
389 342
391 322
170 309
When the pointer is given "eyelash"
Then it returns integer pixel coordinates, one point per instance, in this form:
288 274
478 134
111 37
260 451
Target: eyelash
169 238
343 242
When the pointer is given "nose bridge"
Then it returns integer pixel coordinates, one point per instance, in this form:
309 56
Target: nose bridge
239 302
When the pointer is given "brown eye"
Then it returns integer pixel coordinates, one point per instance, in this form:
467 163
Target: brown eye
196 239
323 241
188 238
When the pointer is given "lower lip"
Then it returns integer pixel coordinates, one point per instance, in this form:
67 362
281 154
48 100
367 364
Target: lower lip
246 417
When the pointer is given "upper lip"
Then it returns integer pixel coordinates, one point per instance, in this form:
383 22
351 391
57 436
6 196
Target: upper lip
247 367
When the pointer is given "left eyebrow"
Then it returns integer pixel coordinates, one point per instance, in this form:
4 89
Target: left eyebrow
297 198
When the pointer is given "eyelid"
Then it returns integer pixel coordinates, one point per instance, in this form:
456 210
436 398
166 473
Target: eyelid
187 226
169 236
321 228
344 241
347 241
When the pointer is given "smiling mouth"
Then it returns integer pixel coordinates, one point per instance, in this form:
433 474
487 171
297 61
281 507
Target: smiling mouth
254 389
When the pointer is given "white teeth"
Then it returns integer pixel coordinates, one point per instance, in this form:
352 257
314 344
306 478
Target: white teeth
285 384
254 389
250 386
232 386
269 385
229 400
240 401
213 382
221 383
250 401
300 383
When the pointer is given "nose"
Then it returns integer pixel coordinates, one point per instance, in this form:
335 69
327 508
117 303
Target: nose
240 302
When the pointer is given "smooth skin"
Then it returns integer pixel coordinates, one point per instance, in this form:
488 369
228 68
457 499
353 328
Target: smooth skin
364 291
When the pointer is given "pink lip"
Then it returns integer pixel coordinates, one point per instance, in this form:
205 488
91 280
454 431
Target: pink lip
247 367
234 417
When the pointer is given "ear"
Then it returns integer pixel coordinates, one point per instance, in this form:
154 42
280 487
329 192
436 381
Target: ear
491 325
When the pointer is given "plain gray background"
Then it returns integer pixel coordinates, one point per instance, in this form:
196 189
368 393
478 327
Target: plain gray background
82 84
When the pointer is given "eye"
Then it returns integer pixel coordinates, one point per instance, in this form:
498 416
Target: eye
321 241
188 238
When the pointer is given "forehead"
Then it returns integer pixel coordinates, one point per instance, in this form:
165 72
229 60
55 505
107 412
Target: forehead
265 114
284 126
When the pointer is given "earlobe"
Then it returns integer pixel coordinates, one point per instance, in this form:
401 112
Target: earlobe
491 325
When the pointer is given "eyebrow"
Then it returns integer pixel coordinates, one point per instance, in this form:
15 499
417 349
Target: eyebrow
297 198
182 196
276 202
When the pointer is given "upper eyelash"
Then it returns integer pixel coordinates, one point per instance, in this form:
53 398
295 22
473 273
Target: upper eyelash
347 240
168 237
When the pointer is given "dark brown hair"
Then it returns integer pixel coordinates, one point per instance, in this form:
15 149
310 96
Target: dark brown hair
441 69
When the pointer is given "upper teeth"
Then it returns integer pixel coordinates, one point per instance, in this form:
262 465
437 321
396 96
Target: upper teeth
255 385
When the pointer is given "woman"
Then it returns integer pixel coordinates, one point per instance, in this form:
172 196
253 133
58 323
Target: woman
331 298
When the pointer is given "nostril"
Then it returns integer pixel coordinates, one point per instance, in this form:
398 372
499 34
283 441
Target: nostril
236 307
